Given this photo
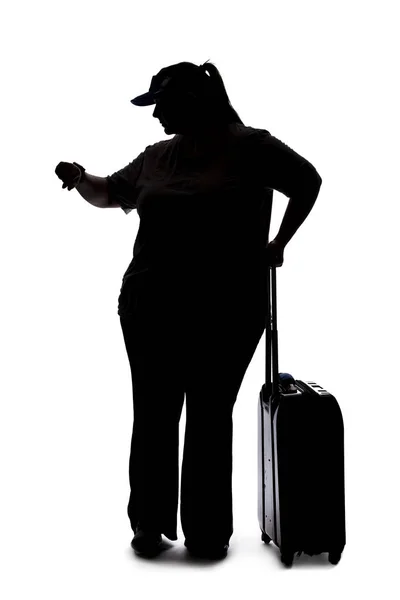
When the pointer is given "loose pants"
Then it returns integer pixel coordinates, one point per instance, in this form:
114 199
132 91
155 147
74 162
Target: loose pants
197 344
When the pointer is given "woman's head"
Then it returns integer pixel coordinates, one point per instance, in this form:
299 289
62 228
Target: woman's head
191 99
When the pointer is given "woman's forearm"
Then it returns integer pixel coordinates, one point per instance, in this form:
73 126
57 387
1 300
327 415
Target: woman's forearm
94 190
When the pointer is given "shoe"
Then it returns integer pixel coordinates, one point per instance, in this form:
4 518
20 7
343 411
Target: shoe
212 550
146 543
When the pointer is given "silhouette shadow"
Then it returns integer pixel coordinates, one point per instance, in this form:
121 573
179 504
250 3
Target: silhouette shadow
177 555
181 556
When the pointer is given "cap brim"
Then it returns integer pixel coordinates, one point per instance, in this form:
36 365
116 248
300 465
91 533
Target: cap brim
144 100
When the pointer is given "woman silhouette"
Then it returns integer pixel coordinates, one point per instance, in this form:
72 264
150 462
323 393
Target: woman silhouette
192 302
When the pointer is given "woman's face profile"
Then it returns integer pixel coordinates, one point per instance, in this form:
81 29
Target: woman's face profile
177 112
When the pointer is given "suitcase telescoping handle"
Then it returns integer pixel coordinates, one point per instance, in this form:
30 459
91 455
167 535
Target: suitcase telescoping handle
275 381
271 336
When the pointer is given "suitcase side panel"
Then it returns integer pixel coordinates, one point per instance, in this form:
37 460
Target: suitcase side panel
266 504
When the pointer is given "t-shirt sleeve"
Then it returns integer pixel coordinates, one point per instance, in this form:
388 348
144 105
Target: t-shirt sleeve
122 185
276 166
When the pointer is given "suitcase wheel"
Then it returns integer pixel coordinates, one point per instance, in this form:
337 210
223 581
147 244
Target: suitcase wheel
334 557
265 538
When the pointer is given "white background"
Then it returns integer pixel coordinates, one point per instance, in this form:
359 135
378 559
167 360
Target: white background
320 76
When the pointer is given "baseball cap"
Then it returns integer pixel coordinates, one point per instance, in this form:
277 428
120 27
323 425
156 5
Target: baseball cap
181 76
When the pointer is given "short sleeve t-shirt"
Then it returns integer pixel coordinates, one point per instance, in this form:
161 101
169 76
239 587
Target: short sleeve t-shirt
204 209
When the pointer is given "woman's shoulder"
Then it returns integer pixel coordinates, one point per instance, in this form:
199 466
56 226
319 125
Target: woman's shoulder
238 131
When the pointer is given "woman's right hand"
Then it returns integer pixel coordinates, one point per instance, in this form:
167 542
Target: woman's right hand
69 174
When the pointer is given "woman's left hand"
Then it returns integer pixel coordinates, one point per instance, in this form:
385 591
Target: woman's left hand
274 254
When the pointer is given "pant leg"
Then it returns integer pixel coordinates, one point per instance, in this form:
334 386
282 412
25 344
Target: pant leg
221 340
154 349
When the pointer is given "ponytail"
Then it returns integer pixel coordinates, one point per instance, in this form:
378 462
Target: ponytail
218 100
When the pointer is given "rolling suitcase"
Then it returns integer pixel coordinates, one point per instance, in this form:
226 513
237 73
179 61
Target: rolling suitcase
301 498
